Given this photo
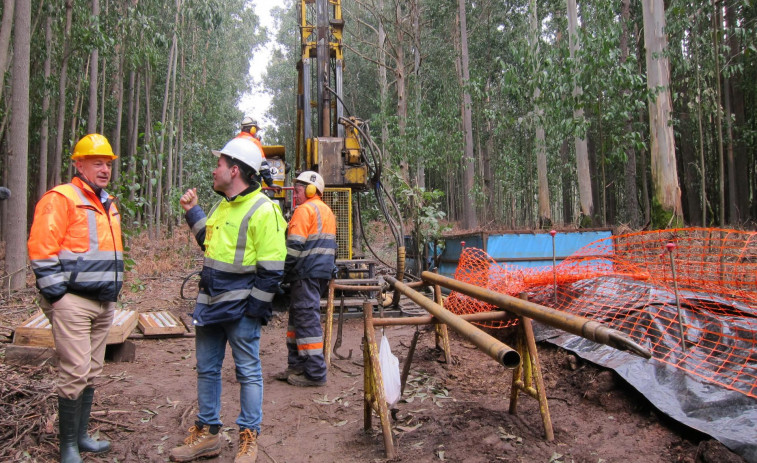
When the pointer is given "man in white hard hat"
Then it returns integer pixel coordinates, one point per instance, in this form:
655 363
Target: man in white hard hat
245 247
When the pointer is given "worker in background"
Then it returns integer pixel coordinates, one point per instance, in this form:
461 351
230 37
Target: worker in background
310 261
245 247
76 253
251 130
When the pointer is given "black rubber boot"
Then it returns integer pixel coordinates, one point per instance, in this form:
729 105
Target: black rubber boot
69 414
86 443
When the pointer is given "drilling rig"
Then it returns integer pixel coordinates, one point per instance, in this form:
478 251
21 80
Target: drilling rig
329 141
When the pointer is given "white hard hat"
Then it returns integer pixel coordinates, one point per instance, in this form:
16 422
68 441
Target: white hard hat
248 121
310 177
244 150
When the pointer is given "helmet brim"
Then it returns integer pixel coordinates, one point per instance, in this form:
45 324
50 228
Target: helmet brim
86 156
216 153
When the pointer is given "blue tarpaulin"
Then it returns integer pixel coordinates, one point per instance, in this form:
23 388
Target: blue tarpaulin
523 249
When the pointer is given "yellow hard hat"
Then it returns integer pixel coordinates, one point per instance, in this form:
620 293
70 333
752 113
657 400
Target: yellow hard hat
93 144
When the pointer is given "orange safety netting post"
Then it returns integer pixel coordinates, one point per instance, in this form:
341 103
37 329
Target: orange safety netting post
627 282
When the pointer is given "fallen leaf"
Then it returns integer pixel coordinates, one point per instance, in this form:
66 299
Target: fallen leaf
409 428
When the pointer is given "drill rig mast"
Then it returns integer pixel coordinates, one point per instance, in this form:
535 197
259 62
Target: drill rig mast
326 141
336 146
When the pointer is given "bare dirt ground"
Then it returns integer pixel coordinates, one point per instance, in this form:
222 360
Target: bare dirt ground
456 412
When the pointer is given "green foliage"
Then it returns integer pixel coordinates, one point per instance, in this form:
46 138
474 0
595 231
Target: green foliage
423 212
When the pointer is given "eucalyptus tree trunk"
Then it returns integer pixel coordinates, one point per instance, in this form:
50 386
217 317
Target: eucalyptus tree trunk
700 131
420 174
718 112
666 192
545 214
631 194
5 39
134 177
401 78
18 149
180 134
737 53
57 160
567 190
147 171
734 209
93 61
159 187
115 139
470 221
171 131
582 154
44 135
76 115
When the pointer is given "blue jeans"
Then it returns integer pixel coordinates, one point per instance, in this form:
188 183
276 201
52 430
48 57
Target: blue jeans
210 343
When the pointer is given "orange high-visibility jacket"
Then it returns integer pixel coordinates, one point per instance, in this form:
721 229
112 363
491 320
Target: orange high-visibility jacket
75 244
311 242
254 139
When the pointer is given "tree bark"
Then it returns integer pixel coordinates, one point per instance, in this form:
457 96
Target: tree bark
57 161
5 39
719 113
540 148
741 152
582 155
666 193
115 139
93 73
44 135
470 221
631 193
16 256
147 171
567 184
700 132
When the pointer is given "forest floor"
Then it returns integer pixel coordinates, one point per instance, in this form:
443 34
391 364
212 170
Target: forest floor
449 412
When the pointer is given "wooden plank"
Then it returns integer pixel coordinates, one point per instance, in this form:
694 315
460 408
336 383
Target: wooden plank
160 323
124 322
37 331
30 355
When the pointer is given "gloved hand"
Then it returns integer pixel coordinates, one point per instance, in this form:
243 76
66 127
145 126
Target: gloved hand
284 288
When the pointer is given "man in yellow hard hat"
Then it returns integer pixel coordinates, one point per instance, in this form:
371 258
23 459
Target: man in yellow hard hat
76 253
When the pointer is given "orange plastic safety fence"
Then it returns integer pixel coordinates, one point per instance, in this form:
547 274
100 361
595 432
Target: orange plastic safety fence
635 283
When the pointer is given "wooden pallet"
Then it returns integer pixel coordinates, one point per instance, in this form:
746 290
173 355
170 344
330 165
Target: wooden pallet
160 323
37 331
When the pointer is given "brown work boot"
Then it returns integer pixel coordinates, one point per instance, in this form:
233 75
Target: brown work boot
301 380
248 447
283 375
200 443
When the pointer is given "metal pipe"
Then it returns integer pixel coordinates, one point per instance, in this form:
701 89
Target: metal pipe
431 320
491 346
357 288
574 324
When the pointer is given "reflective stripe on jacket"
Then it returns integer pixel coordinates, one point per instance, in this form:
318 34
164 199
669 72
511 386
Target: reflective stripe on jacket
245 248
311 243
75 246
